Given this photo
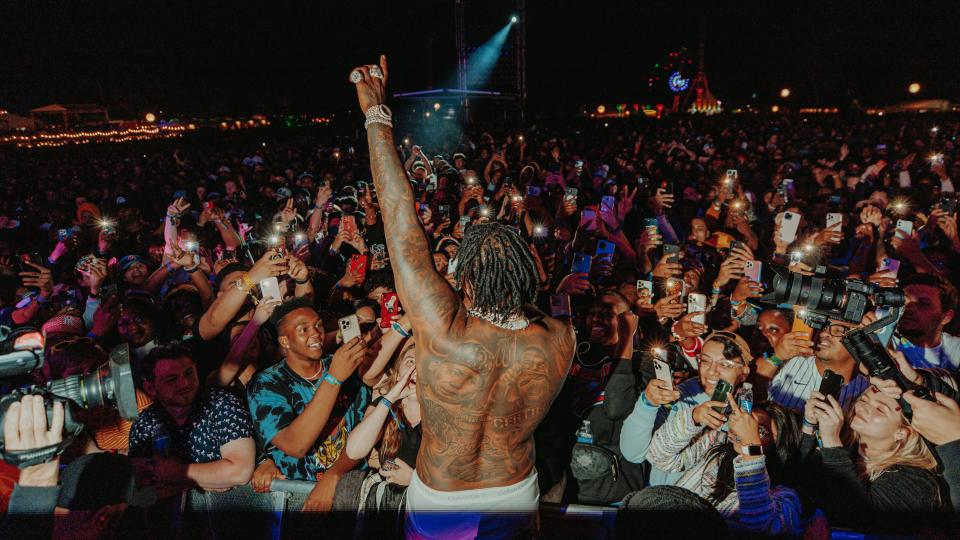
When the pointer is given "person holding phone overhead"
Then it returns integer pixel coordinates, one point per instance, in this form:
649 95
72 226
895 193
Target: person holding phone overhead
305 405
727 455
487 369
795 369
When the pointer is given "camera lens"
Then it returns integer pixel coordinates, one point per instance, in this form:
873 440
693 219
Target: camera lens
111 383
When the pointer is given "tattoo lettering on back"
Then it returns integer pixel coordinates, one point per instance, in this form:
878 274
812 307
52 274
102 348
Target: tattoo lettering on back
483 390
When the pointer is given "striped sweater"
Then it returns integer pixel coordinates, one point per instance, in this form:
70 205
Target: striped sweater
680 446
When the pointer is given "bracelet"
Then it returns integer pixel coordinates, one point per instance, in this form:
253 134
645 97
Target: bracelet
735 302
304 282
643 399
775 361
714 291
335 382
383 399
398 328
808 424
247 283
192 270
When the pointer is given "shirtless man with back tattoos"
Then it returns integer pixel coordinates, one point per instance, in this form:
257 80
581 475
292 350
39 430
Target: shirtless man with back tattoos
487 369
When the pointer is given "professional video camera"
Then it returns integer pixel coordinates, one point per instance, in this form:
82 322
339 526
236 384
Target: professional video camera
823 299
110 385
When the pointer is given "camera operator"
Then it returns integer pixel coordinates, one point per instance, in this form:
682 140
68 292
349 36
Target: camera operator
93 492
30 514
210 433
795 370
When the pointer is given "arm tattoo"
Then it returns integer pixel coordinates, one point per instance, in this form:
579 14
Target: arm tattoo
424 293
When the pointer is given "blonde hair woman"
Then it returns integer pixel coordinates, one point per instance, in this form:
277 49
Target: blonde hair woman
883 474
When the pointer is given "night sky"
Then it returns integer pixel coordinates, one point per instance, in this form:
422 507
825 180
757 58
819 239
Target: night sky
226 57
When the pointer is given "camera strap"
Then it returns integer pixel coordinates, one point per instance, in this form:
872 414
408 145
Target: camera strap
27 458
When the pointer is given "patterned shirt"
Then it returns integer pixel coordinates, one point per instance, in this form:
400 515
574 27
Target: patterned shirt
795 381
217 417
277 395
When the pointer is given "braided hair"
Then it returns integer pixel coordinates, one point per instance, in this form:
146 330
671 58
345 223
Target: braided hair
497 264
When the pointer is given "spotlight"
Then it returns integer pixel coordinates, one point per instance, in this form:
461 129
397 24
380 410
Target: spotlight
514 19
427 114
274 240
934 130
785 93
150 117
436 106
913 88
775 108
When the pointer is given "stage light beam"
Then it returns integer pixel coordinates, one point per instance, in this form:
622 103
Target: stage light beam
514 19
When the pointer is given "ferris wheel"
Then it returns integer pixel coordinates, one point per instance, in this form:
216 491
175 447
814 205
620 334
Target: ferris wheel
672 74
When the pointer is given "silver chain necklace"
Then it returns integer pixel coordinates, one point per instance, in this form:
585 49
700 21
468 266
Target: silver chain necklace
514 322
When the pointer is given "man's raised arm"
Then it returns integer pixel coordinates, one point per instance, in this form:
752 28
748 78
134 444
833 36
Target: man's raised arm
425 294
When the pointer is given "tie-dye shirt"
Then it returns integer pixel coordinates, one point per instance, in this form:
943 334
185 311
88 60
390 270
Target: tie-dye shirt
277 395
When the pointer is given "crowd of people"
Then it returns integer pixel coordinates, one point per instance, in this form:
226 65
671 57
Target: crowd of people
253 285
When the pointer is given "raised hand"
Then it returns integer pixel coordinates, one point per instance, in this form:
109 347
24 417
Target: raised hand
372 90
177 207
288 213
40 278
265 309
794 344
347 358
272 264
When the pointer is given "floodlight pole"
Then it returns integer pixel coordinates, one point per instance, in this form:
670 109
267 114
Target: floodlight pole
461 39
522 59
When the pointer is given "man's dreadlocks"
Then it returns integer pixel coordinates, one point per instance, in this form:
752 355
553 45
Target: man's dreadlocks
497 264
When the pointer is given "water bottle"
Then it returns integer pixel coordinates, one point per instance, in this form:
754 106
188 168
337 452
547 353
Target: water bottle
745 398
161 441
585 434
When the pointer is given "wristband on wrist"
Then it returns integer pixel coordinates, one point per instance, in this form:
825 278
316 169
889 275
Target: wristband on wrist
775 361
643 399
304 282
398 328
808 424
735 302
335 382
383 399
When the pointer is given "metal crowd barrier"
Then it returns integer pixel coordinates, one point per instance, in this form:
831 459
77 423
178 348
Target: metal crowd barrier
244 513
